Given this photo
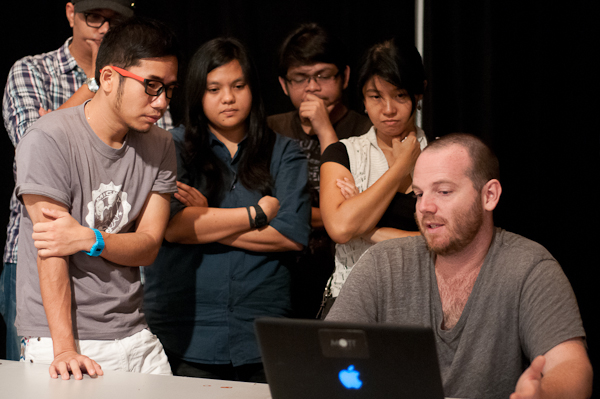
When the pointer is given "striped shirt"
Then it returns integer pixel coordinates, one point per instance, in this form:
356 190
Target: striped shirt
46 80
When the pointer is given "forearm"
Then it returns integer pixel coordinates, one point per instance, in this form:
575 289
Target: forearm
125 249
130 249
572 379
564 371
79 97
55 281
62 235
326 136
266 239
21 102
17 122
55 288
345 219
24 100
567 371
379 234
140 247
202 225
20 121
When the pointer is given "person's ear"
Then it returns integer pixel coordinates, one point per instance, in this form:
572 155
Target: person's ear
70 11
490 194
283 84
109 79
346 76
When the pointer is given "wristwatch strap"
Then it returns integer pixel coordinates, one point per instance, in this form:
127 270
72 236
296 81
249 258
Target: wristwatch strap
250 217
98 246
260 219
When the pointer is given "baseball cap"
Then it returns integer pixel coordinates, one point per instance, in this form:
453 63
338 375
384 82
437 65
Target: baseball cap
123 7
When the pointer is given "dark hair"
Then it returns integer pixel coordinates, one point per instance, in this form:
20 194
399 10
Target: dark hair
400 65
254 168
484 163
135 39
310 44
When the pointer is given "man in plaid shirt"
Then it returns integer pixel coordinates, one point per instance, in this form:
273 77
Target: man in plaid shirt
46 82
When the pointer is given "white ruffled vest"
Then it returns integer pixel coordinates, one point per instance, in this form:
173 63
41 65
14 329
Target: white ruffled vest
367 165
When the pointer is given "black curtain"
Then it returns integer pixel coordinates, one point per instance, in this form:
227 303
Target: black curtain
521 76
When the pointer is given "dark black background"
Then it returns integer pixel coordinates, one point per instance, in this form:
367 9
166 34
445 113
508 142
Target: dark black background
518 74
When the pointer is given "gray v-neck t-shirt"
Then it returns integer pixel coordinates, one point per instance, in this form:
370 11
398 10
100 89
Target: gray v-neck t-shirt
521 306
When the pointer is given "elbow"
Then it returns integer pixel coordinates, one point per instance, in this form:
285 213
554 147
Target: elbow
341 226
150 255
148 261
285 244
294 246
178 232
340 233
170 235
340 238
176 228
150 249
174 235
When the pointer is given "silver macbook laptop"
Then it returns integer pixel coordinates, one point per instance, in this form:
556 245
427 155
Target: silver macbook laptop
311 359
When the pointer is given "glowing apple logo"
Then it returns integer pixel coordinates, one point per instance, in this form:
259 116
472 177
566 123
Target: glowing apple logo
349 378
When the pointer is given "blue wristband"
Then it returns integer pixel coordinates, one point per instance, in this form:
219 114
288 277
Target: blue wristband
98 246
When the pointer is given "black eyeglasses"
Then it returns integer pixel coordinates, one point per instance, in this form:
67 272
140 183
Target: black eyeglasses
94 20
320 79
152 87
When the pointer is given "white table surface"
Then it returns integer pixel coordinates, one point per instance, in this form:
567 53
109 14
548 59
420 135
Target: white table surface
25 380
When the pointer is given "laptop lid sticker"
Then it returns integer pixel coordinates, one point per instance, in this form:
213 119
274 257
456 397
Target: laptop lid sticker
343 343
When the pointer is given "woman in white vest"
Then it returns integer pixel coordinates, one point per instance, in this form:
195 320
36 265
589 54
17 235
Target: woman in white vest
366 181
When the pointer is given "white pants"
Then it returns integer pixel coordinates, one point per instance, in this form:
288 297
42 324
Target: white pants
141 353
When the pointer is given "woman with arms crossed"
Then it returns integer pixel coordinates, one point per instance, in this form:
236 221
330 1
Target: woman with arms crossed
366 183
242 207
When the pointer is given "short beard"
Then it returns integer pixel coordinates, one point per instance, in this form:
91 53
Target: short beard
132 130
120 89
119 104
467 225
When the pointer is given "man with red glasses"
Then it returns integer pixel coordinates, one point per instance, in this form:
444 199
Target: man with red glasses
96 182
36 84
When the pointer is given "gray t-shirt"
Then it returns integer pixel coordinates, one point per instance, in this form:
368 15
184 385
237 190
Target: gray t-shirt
60 157
521 306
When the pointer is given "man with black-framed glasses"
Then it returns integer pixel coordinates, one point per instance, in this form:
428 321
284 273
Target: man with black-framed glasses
96 181
313 73
40 83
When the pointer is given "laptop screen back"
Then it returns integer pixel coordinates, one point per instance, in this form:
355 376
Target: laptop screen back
315 359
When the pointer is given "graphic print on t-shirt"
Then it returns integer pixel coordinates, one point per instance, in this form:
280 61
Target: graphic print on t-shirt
108 210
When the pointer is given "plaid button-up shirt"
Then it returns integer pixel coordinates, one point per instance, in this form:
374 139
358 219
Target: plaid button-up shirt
45 80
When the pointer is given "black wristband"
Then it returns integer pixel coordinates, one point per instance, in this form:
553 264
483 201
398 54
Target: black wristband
250 217
260 219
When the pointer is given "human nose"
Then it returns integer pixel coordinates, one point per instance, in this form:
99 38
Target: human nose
228 96
425 204
104 27
312 84
389 108
161 101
